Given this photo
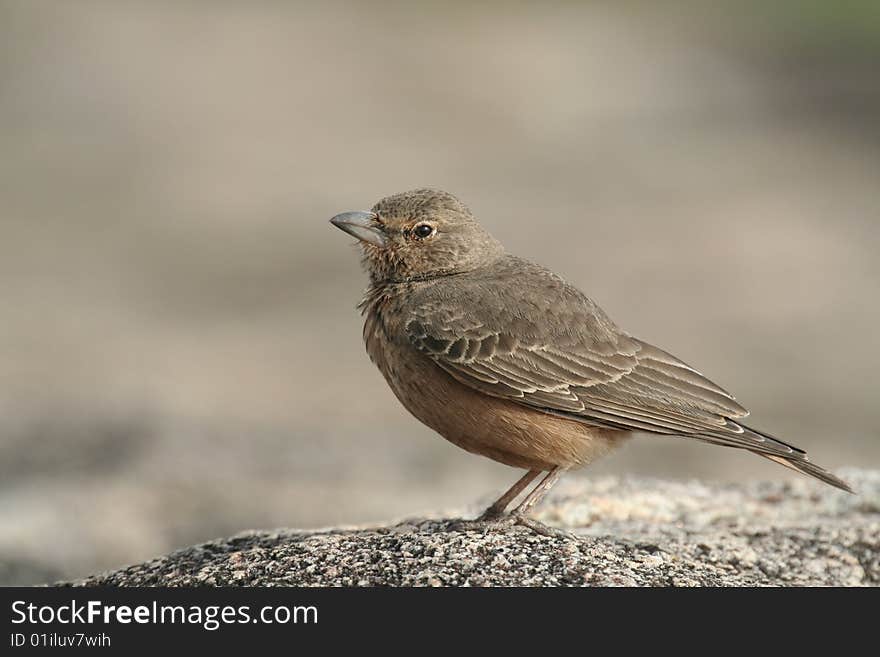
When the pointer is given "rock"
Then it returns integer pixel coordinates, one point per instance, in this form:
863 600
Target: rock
623 533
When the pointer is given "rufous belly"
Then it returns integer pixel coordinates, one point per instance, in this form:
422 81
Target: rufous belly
501 430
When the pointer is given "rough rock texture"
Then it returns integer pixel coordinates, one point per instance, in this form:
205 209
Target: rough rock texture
624 533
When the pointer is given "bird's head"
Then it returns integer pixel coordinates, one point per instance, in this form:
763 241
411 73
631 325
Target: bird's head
418 235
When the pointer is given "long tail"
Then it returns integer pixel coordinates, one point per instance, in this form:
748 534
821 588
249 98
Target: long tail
804 466
799 462
763 444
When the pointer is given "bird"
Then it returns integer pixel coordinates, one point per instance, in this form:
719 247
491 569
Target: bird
505 359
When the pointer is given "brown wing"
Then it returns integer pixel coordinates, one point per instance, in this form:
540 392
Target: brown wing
559 353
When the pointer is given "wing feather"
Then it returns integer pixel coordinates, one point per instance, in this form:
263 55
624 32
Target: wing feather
572 361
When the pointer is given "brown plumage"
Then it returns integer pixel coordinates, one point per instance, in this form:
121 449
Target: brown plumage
505 359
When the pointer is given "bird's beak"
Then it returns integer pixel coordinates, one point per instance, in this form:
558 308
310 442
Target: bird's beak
361 225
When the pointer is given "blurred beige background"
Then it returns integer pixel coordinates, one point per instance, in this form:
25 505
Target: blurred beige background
180 357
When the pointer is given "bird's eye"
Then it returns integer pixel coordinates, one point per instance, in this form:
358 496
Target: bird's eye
423 231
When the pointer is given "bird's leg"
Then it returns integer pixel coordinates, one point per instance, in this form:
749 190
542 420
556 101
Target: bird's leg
494 516
538 492
498 506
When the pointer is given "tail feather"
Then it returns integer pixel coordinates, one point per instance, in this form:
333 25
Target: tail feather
804 466
778 451
798 461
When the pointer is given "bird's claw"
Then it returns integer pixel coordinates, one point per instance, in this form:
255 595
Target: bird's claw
542 529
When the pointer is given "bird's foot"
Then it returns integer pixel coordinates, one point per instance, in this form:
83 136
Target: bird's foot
541 528
503 522
491 514
475 525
